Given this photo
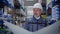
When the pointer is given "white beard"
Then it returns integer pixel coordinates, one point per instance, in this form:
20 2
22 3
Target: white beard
37 17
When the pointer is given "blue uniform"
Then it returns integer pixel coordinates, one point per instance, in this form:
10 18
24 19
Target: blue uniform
4 2
1 21
32 24
9 17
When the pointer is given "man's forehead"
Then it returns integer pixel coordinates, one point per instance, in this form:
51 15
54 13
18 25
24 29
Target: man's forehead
37 8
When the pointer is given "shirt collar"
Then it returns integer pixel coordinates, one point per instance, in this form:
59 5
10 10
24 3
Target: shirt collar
37 17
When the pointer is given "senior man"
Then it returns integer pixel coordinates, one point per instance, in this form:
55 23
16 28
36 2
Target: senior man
36 22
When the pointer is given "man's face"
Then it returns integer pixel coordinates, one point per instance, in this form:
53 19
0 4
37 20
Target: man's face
37 12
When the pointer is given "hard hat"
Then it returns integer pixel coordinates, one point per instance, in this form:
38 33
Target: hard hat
38 5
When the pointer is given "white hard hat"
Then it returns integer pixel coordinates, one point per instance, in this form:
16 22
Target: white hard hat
38 5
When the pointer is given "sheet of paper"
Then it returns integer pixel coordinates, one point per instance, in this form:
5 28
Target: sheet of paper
52 29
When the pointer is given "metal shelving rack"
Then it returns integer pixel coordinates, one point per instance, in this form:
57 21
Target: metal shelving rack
19 15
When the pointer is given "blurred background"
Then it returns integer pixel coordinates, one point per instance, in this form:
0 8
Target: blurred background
16 12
